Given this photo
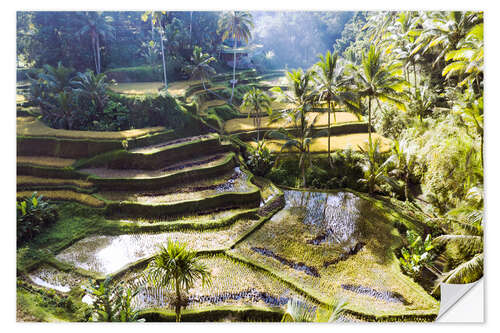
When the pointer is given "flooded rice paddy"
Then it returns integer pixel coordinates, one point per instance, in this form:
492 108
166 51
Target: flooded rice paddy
108 254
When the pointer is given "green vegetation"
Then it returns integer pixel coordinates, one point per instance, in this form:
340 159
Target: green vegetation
33 215
176 266
378 143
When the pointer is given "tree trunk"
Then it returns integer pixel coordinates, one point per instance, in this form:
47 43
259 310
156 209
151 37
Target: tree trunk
329 154
190 28
163 58
258 126
407 187
234 69
98 49
370 121
178 302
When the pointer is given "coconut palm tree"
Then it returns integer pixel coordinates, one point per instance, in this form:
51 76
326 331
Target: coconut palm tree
404 162
96 25
156 19
256 101
442 31
200 69
468 59
301 95
466 232
176 267
380 81
331 85
235 25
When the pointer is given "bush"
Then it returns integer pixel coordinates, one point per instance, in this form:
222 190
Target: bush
260 161
33 215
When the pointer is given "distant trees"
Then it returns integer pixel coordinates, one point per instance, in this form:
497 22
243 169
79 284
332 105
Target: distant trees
96 26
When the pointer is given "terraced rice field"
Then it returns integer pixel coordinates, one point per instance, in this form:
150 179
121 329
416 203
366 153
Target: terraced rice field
108 254
367 275
47 161
202 161
320 145
38 181
235 182
31 126
50 277
65 195
138 88
233 283
320 120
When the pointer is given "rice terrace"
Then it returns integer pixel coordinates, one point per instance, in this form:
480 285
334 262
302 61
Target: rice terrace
247 166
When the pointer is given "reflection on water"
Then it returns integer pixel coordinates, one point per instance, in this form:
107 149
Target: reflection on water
334 216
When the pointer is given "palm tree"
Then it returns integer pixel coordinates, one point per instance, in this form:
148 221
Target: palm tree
379 81
201 65
375 171
468 59
330 87
235 25
445 30
256 101
97 26
301 96
177 267
156 19
466 232
93 86
404 162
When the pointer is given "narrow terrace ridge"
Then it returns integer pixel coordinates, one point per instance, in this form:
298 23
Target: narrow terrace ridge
162 145
235 181
45 161
196 163
320 120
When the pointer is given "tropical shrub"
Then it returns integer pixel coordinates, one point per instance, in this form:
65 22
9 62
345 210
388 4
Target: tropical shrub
112 302
417 254
260 160
33 215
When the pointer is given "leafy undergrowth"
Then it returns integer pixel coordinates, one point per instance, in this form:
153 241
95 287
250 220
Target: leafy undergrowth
30 126
320 144
374 267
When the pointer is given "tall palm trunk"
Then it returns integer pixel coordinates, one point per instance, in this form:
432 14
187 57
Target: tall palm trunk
370 121
178 301
163 58
329 135
98 50
234 68
190 27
